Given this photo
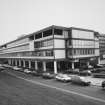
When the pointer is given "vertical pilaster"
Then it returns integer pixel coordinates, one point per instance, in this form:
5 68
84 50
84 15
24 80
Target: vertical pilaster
29 64
16 62
72 65
44 66
55 67
36 65
98 60
19 62
24 63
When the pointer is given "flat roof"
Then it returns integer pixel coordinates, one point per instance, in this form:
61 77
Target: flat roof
44 29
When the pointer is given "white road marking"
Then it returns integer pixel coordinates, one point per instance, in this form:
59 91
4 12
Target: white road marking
57 88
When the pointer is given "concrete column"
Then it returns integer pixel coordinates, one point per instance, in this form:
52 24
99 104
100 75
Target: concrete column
16 62
44 66
36 65
87 63
13 62
29 64
98 60
24 63
72 65
19 62
9 62
55 67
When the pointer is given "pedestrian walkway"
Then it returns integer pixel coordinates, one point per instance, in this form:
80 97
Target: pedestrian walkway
95 81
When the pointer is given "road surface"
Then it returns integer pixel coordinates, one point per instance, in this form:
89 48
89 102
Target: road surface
20 89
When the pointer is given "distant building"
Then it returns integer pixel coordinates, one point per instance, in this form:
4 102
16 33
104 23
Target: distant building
54 48
102 46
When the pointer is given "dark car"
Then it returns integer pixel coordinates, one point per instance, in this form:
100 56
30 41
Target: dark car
80 80
2 68
37 72
71 71
85 73
98 66
103 84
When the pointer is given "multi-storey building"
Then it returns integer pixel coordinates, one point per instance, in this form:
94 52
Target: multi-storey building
54 48
102 46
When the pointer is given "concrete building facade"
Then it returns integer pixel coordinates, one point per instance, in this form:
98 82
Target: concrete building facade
54 49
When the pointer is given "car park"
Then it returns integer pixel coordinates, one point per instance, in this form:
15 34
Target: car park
103 84
48 75
80 80
63 77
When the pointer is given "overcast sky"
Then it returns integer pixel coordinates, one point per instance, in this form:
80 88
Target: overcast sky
18 17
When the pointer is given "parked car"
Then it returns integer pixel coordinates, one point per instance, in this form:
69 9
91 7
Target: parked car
80 80
37 72
16 68
99 75
98 66
63 77
85 73
6 66
27 71
71 71
98 70
48 75
2 68
103 84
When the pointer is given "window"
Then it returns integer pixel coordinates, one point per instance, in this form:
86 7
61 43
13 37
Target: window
39 35
49 42
47 33
58 31
43 43
49 53
31 37
69 42
37 44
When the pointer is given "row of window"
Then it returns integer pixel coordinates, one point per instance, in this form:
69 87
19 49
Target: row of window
46 33
37 53
81 52
18 48
84 43
40 44
82 34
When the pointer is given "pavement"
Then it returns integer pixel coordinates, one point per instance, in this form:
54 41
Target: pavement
94 81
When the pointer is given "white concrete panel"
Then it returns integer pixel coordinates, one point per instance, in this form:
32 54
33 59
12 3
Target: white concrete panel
97 52
31 46
58 43
59 53
17 42
82 34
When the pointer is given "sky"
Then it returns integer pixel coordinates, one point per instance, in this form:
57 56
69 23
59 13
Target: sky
19 17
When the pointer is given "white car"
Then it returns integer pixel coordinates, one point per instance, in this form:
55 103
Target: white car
16 68
63 78
27 71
